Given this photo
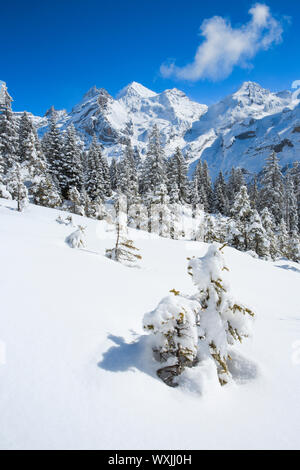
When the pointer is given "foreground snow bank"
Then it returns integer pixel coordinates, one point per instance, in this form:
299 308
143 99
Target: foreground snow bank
74 374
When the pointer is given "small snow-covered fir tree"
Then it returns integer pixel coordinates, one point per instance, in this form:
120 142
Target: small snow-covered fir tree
174 335
124 250
223 320
76 239
76 200
188 330
16 186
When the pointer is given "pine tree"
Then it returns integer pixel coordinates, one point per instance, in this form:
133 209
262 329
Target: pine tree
254 193
8 135
76 200
242 213
127 175
294 247
205 182
271 195
113 171
189 330
16 187
283 239
221 205
154 168
30 151
223 320
45 192
257 236
71 172
52 146
178 175
175 335
235 182
269 226
95 185
124 250
76 239
291 209
295 172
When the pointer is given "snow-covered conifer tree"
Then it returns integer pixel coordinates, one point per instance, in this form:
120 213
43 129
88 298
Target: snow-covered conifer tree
283 239
154 168
174 335
242 213
220 203
95 185
294 247
52 146
76 200
45 192
290 201
71 171
223 320
269 226
186 331
16 187
9 154
257 236
76 239
272 192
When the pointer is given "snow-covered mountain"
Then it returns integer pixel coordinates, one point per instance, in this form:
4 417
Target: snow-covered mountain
240 130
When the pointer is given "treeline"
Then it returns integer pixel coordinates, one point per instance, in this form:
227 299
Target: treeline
262 215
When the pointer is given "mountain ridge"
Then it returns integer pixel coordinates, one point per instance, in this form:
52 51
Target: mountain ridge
240 130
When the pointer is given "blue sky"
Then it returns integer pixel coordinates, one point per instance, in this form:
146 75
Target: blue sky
53 52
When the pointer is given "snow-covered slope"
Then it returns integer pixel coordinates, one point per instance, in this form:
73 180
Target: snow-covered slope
75 374
240 130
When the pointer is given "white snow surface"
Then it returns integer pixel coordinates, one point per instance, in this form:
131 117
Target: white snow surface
76 375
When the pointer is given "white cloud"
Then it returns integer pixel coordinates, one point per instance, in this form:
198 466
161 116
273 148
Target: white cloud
296 84
225 47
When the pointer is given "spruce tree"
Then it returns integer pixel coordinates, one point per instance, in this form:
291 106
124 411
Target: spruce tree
242 213
95 184
290 200
52 146
44 192
16 187
154 168
269 226
71 172
221 204
9 152
272 193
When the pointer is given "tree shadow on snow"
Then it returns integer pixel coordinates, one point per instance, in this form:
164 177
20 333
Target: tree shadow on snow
124 356
241 368
288 267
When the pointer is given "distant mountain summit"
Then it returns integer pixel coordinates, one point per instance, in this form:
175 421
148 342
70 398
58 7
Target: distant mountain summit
240 130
